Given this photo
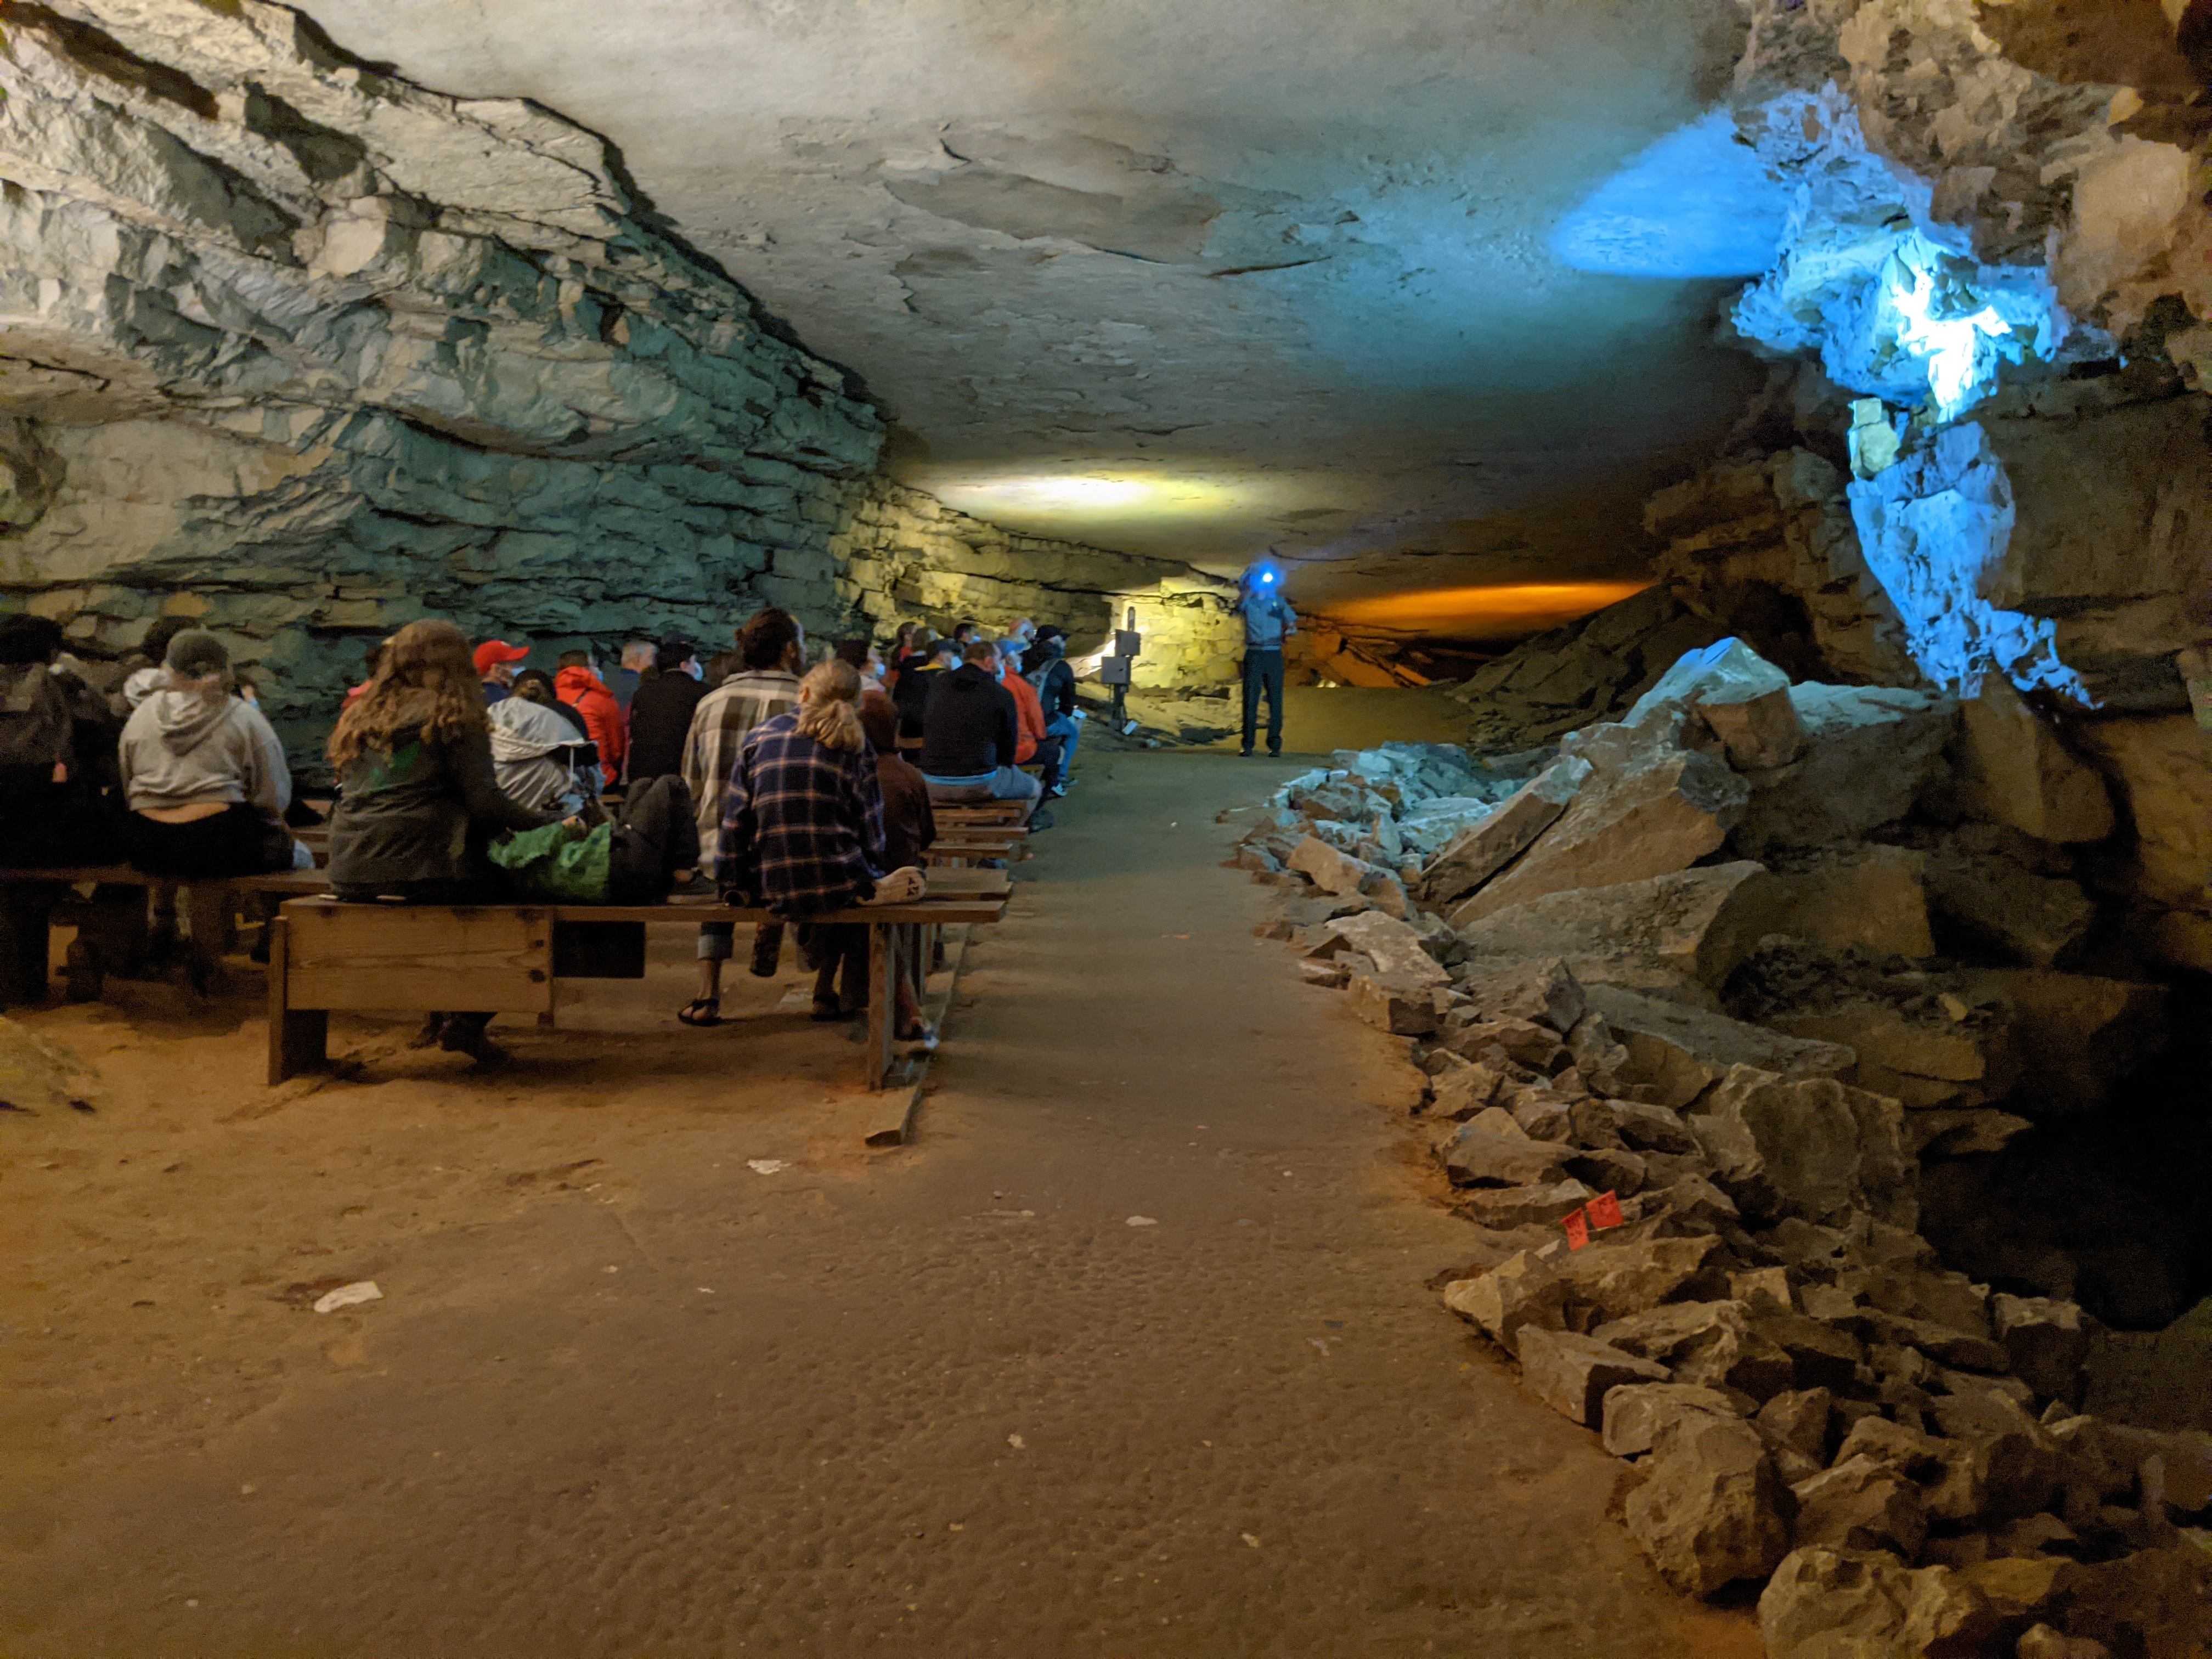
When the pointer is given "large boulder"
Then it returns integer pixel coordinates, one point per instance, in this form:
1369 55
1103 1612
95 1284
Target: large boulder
1475 1154
1994 901
1639 1416
1501 835
1807 1146
1394 946
1868 898
1658 815
1679 1052
2162 769
1824 1603
1665 934
1610 1280
2018 772
1710 1512
1738 696
1870 750
1711 1343
1522 1289
1572 1374
1860 1504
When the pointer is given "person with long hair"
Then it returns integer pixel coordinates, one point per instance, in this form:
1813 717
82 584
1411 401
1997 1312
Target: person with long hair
802 830
418 800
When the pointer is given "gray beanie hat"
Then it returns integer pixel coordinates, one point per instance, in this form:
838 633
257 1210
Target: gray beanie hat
197 653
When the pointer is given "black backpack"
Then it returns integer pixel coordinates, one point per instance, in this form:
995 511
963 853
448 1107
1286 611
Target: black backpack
35 726
655 836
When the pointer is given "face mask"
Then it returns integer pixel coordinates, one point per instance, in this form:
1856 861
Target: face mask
695 670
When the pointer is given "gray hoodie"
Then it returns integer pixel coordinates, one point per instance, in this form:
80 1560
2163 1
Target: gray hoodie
181 748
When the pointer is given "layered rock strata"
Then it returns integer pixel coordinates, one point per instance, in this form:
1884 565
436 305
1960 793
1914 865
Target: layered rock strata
304 352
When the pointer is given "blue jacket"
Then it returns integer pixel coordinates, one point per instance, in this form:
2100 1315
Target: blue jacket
1268 621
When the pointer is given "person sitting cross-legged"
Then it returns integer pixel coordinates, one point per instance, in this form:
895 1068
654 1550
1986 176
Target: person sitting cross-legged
802 832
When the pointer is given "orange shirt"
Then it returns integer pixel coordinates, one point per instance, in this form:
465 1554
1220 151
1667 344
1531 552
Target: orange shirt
1030 713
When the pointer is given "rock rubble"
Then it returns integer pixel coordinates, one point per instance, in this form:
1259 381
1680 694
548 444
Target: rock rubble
1673 987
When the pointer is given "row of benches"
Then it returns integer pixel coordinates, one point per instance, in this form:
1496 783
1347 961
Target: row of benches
326 957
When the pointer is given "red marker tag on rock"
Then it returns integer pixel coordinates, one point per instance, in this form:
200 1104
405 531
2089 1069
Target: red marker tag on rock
1604 1210
1577 1231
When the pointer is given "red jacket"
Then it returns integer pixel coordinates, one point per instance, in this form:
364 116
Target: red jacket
603 716
1029 712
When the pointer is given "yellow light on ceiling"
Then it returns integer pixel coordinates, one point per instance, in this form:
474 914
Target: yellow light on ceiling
1130 500
1496 611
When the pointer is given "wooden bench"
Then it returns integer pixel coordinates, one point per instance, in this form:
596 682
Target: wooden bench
1010 813
29 900
327 958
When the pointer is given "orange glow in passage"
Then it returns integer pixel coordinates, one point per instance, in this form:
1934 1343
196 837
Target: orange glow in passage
1501 611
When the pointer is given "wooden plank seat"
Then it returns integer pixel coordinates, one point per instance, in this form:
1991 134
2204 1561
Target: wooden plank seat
996 812
33 901
326 957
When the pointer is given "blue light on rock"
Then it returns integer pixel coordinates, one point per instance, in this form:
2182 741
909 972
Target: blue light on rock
1953 346
1930 525
1699 203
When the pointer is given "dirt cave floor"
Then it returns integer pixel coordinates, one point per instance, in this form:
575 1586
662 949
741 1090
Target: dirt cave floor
1130 1355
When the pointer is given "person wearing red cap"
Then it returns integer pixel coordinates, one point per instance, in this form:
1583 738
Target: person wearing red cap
579 684
495 660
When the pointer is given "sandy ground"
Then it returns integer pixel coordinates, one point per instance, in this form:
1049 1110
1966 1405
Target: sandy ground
1130 1356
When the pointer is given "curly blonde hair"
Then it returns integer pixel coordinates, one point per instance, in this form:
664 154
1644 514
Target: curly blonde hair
426 682
828 708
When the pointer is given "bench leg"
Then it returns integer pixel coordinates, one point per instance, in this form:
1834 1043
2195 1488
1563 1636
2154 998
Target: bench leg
882 993
26 913
299 1039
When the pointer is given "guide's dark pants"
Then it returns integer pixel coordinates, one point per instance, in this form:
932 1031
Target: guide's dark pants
1263 671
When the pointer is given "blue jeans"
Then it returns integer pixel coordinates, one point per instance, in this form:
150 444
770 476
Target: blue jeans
1007 783
1263 672
1067 729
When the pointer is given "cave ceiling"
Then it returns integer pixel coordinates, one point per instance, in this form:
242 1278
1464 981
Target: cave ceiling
1196 279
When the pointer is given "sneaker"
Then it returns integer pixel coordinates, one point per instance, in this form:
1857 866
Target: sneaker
1244 754
1039 820
1055 793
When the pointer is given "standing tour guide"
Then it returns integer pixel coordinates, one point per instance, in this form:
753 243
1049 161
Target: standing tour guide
1268 621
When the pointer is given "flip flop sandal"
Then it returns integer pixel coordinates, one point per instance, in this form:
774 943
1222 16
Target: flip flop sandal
701 1011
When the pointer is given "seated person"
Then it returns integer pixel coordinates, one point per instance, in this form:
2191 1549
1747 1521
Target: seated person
971 732
1045 666
418 797
60 802
925 670
802 830
203 773
1035 747
207 784
540 760
909 830
660 712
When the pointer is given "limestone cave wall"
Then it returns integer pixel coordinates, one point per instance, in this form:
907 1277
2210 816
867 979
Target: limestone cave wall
305 352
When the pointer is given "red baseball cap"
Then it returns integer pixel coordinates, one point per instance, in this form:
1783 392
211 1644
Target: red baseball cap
492 652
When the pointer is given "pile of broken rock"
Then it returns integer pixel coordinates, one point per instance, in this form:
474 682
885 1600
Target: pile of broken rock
1806 1397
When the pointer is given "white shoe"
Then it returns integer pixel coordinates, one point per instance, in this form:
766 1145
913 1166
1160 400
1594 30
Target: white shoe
900 887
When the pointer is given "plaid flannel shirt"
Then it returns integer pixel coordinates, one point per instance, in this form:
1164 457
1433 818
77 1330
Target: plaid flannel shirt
725 717
803 825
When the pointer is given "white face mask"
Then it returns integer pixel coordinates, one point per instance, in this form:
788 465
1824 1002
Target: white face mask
695 670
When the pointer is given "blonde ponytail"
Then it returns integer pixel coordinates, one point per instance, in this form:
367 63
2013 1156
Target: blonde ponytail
827 705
